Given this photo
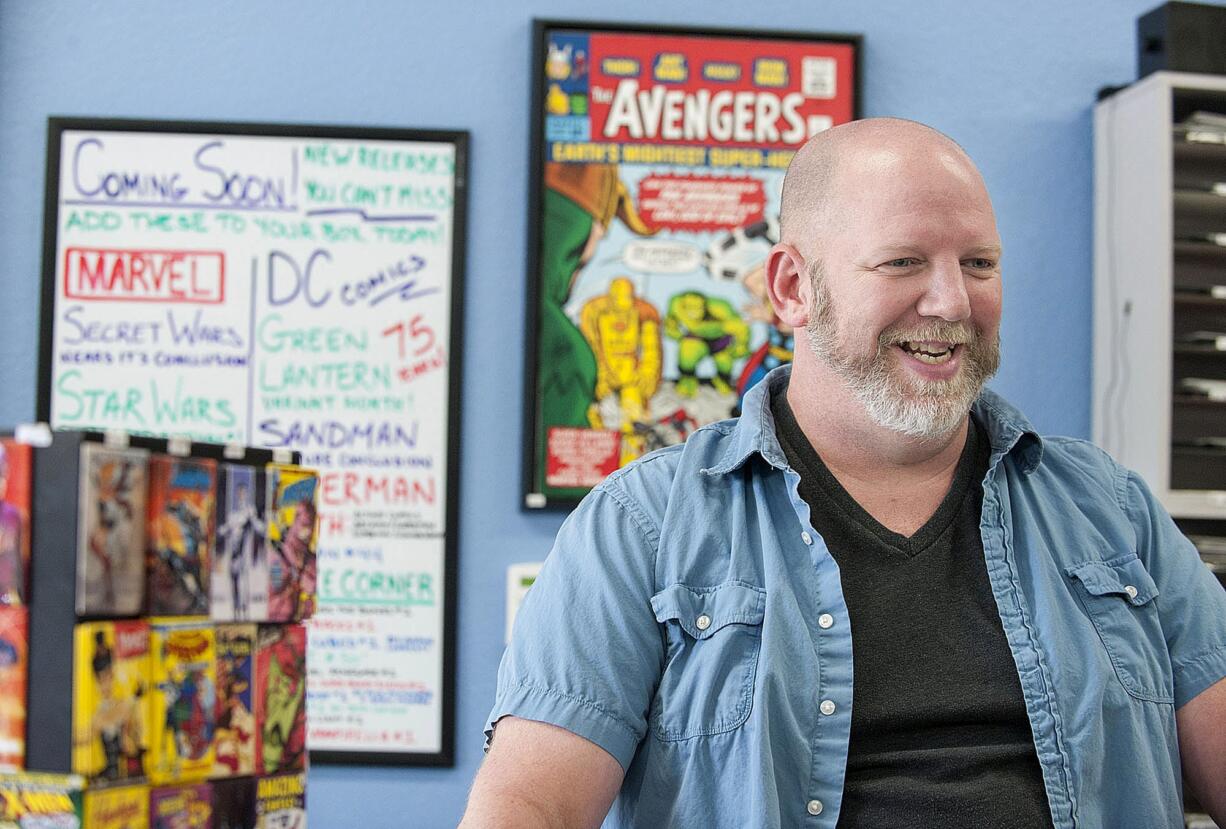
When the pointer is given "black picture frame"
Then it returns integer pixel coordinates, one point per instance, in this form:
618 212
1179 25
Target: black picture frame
536 494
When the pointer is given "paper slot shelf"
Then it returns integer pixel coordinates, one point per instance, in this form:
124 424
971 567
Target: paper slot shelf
1199 213
1194 301
1199 265
1195 418
1199 166
1198 361
1198 467
1200 315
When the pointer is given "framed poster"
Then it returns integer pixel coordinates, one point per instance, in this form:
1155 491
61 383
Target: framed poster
290 287
657 161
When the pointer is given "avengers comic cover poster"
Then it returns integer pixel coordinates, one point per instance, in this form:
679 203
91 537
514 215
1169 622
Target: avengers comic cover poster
111 686
14 668
280 698
234 743
37 800
234 803
659 163
15 480
111 531
281 802
181 807
180 535
184 710
239 582
122 807
292 534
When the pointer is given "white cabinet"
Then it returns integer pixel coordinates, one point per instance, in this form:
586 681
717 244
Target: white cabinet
1159 385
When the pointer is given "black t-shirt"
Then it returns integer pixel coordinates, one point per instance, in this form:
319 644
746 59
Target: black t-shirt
939 732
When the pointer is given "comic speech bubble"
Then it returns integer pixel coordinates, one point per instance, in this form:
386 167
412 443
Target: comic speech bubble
696 203
659 256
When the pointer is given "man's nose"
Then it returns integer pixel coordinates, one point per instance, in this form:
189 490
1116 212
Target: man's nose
945 293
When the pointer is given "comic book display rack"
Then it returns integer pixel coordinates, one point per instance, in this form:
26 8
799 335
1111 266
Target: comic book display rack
153 592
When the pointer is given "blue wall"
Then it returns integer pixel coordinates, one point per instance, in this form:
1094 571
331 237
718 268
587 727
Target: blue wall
1013 82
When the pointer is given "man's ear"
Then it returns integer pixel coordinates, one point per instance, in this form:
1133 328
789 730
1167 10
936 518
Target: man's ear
788 285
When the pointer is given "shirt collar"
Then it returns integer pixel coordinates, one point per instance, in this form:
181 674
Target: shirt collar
1008 430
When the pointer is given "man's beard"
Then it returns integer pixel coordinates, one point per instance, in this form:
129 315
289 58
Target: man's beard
894 399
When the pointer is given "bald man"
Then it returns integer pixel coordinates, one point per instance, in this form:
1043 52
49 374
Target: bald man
878 598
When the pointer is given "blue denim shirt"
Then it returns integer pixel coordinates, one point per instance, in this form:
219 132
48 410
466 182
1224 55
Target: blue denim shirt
690 621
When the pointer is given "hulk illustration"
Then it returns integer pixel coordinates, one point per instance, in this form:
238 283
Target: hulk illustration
705 327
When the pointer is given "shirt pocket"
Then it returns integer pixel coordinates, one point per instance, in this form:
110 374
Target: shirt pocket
713 637
1119 597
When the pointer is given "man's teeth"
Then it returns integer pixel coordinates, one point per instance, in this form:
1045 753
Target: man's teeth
931 353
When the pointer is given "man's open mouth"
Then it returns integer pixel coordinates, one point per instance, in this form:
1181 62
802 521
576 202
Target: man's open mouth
929 351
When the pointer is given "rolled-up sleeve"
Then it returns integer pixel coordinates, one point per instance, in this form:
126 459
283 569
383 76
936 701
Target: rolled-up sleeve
586 652
1191 603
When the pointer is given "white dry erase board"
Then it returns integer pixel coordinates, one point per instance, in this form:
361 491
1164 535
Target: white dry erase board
297 287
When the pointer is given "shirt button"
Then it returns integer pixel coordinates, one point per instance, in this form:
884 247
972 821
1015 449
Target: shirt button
814 807
702 622
1131 591
806 538
827 707
825 621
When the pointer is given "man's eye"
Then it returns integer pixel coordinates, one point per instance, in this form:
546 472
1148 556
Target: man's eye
981 264
905 262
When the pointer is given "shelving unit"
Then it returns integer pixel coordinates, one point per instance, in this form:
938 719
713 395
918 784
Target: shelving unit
1160 289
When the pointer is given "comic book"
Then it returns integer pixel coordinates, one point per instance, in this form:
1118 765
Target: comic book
15 480
235 737
239 581
184 696
280 801
111 531
121 807
280 698
234 803
292 533
662 163
110 700
35 800
181 807
14 667
180 534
